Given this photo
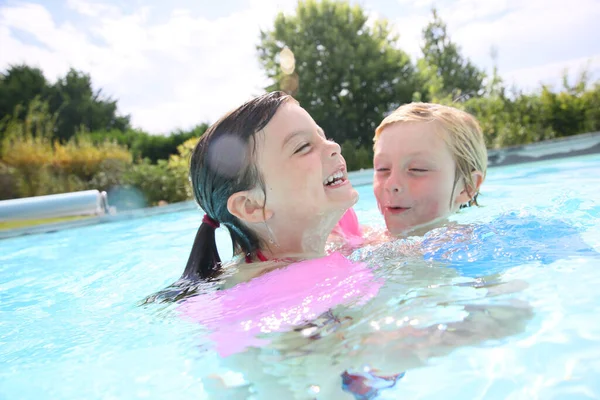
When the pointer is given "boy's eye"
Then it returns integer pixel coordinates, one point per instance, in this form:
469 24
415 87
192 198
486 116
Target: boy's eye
302 148
382 169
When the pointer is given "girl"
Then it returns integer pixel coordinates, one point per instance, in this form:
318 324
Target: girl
267 173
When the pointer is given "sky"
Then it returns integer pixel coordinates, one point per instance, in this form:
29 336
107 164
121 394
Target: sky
172 66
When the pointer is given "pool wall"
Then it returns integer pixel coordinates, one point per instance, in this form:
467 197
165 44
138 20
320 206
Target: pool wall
571 146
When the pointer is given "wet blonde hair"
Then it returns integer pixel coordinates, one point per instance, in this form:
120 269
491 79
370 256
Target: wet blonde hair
462 134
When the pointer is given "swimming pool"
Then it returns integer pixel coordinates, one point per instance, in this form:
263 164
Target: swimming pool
72 327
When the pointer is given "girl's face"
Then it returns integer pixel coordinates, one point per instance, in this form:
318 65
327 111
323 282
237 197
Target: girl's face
304 173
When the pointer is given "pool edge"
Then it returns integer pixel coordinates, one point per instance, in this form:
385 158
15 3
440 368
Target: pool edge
121 216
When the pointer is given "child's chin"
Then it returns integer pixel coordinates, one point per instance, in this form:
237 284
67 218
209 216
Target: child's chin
396 225
397 229
354 198
349 199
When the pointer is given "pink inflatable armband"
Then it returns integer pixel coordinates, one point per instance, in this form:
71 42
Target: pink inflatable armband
349 228
279 300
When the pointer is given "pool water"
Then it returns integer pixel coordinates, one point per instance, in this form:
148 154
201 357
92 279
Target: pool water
514 285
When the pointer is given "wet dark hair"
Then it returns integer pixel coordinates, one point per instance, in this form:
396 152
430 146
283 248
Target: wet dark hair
222 164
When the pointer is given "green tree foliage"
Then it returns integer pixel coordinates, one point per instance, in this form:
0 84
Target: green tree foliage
166 180
345 71
76 107
79 107
34 163
152 147
528 118
443 71
357 158
39 164
19 86
72 98
349 75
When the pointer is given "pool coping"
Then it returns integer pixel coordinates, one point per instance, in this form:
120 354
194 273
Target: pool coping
570 146
563 147
121 216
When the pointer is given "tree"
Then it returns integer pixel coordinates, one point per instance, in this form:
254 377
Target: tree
443 70
80 108
72 98
346 72
19 86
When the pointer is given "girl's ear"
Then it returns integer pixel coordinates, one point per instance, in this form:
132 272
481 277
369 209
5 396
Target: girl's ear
247 206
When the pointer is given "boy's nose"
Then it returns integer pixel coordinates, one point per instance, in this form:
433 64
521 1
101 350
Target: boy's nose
394 186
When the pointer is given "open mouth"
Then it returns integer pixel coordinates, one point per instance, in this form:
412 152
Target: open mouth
397 210
336 179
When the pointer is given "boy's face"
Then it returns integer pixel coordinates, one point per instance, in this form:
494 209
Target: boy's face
414 176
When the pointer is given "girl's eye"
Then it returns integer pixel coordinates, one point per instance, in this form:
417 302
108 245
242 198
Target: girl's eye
302 148
418 170
382 169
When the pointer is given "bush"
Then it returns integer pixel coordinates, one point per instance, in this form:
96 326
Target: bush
39 166
144 145
357 157
8 185
155 181
166 180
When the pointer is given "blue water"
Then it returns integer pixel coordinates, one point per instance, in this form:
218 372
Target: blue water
71 324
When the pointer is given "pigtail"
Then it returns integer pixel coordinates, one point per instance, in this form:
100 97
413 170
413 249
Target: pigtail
204 261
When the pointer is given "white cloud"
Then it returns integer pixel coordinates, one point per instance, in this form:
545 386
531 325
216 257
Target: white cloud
530 78
35 17
535 26
92 9
188 68
64 46
416 3
177 73
410 30
535 39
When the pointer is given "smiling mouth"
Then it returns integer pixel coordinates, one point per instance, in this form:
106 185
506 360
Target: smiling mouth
336 179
